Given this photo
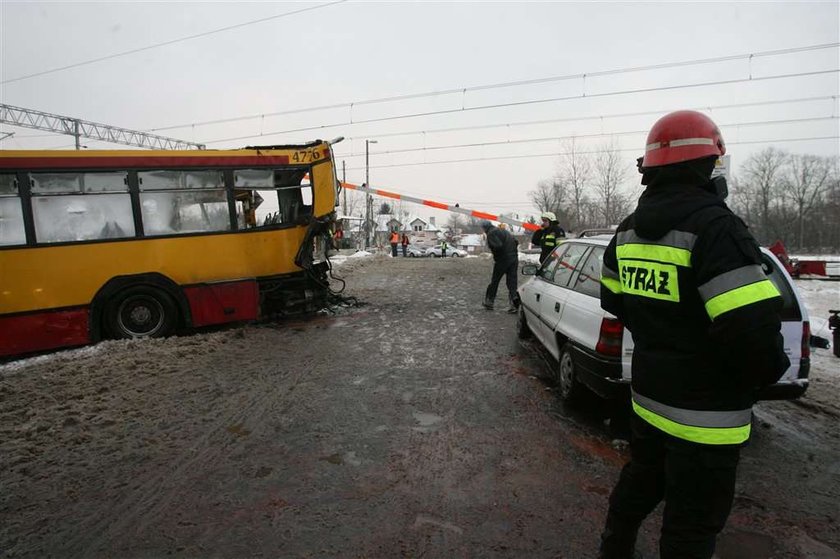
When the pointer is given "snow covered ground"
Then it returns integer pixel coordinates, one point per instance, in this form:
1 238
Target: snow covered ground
820 296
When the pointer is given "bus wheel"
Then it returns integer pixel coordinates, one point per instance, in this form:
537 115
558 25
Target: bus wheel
141 312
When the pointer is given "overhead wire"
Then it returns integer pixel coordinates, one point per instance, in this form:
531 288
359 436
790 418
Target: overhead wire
601 117
582 136
556 138
498 85
170 42
587 152
541 80
528 102
514 124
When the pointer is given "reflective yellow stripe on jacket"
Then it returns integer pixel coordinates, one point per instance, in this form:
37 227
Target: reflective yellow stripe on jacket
737 288
699 426
610 279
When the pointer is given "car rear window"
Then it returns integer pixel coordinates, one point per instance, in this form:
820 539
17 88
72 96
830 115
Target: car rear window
790 308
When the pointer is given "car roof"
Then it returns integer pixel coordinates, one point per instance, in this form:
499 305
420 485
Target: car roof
600 240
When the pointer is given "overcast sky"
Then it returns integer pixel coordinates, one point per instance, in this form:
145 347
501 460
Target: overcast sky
345 53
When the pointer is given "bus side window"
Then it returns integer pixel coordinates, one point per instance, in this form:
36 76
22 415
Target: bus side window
248 207
295 193
77 206
11 213
174 202
266 197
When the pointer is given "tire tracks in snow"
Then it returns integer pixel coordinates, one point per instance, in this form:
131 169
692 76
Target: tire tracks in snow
148 500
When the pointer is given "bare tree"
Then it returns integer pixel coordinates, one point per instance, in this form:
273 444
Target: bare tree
828 226
355 204
549 196
610 173
762 176
473 225
455 223
576 172
806 181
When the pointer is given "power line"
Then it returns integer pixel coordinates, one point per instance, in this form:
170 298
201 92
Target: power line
592 117
567 119
171 42
483 87
573 136
528 102
591 152
582 136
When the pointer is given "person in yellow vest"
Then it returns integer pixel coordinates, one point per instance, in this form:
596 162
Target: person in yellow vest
548 236
684 276
395 241
443 247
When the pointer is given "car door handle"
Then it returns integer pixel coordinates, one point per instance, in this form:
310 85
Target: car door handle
538 296
556 307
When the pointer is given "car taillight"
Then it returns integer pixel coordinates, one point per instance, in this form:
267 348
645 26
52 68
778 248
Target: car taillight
806 340
609 339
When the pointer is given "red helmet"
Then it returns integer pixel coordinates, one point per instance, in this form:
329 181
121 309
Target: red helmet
682 136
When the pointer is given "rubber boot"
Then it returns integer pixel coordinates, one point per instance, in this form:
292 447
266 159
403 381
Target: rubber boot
618 543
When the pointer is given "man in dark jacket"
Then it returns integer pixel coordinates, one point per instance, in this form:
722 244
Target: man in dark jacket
505 251
548 236
684 275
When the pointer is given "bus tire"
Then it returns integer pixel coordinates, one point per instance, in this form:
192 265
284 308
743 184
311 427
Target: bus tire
140 311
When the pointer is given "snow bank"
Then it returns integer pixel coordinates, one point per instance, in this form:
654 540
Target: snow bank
819 297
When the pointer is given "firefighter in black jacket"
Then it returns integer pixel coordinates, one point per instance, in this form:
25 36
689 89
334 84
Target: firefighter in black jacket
548 236
684 276
505 251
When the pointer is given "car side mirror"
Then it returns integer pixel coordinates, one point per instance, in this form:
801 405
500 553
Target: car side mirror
529 270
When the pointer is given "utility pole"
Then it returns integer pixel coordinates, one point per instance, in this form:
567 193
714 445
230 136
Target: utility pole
368 198
343 181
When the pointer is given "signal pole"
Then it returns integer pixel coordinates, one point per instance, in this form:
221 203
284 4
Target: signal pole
344 181
368 198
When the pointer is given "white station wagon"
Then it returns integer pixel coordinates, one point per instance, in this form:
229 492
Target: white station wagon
561 307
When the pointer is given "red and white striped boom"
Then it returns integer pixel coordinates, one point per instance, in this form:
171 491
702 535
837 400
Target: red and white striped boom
432 204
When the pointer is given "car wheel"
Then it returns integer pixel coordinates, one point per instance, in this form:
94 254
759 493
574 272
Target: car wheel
456 255
141 311
523 331
568 386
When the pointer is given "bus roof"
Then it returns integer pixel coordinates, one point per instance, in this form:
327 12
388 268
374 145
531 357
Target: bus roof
156 159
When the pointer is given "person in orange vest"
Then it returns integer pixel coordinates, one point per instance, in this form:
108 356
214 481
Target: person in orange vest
395 240
404 244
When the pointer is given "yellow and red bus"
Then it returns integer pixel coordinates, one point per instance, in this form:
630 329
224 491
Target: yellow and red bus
123 243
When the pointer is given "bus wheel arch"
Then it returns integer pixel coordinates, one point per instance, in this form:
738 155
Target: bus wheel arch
145 305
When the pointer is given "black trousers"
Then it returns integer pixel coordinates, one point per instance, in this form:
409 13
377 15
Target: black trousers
394 250
500 269
697 482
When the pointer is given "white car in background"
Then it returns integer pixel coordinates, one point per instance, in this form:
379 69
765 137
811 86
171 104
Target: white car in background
437 252
561 308
413 251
